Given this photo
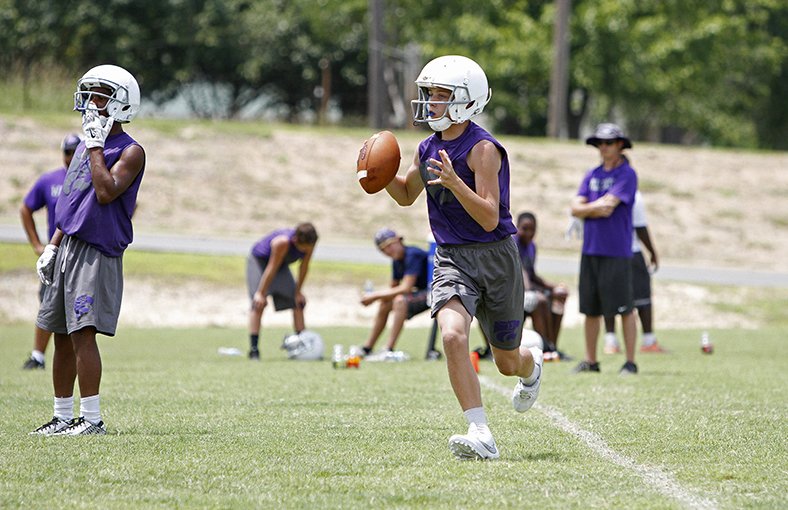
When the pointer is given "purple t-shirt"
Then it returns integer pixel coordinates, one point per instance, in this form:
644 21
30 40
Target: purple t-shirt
611 236
262 248
449 221
527 256
44 193
414 263
78 213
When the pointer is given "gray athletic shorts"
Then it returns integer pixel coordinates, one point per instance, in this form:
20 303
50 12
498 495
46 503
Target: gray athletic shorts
87 290
488 279
282 289
641 280
605 286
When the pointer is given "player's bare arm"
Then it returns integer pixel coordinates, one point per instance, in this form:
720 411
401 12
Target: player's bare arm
110 184
29 225
279 248
600 208
485 162
397 287
303 270
405 189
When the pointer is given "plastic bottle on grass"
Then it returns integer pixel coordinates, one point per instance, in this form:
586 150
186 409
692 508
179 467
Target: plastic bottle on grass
338 357
705 344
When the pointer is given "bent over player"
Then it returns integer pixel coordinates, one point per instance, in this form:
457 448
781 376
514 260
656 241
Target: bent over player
83 263
477 270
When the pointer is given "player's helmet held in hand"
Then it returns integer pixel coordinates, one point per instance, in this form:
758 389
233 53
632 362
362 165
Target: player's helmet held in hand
466 81
123 101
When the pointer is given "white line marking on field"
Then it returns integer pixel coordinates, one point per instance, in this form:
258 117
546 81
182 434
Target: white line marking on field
663 482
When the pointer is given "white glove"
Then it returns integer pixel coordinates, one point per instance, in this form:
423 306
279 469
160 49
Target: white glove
46 264
575 229
96 128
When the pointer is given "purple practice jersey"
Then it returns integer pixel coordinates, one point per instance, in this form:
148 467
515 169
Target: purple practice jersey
611 236
78 213
44 193
262 248
449 221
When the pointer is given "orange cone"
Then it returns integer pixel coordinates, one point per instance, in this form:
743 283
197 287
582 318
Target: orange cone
475 360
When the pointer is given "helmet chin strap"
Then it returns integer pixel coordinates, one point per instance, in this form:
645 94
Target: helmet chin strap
441 124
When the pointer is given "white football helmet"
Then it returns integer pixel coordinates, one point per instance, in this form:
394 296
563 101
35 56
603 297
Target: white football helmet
466 81
304 346
123 100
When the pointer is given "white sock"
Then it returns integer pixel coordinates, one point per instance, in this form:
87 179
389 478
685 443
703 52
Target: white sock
537 371
610 339
476 415
64 408
649 339
38 356
89 409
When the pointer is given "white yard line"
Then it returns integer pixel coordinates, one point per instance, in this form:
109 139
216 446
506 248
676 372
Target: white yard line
653 477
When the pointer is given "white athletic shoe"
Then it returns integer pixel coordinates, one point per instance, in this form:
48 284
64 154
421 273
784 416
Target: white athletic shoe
81 427
473 445
51 427
524 396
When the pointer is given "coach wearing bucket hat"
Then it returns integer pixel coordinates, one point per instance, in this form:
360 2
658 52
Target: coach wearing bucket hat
604 201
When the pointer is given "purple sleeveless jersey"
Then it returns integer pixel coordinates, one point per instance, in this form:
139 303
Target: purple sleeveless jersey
612 236
45 193
262 248
450 222
78 213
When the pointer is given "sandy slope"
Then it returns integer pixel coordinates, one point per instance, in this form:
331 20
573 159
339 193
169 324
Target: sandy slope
705 206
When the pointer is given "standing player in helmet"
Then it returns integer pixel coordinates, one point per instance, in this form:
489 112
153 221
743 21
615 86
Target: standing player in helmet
44 194
477 268
82 265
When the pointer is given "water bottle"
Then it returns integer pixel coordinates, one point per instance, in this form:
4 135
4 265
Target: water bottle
354 357
705 344
369 287
338 358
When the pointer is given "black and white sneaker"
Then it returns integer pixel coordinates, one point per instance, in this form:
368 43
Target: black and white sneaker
586 366
629 368
473 445
81 427
51 428
254 354
33 364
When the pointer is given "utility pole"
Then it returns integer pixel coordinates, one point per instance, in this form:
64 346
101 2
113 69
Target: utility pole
559 76
375 83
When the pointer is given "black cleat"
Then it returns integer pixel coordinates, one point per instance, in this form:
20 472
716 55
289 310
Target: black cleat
628 369
586 366
32 364
254 354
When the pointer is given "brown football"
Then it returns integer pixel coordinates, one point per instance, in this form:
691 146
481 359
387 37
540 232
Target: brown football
378 161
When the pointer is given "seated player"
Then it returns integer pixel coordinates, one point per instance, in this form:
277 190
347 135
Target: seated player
406 296
268 274
544 301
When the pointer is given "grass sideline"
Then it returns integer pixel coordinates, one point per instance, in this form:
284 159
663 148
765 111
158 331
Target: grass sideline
193 429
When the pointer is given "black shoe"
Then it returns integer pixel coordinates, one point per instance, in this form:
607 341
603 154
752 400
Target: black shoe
434 355
586 366
564 357
628 368
32 364
254 354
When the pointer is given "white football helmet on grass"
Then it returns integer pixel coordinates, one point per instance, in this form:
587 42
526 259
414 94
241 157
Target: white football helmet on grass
123 101
466 81
304 346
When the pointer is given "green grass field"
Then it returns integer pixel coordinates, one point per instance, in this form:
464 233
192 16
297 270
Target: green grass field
190 428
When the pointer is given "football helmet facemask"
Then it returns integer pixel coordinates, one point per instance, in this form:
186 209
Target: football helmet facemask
123 101
467 84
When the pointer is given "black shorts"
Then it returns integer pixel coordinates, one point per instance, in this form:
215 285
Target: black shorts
641 281
605 286
417 302
282 289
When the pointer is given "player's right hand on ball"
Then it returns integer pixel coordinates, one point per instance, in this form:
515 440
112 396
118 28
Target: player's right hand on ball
45 266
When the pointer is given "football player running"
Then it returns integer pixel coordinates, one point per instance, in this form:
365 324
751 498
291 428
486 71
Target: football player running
82 265
477 268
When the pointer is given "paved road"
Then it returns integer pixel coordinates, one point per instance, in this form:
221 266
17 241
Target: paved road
369 254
